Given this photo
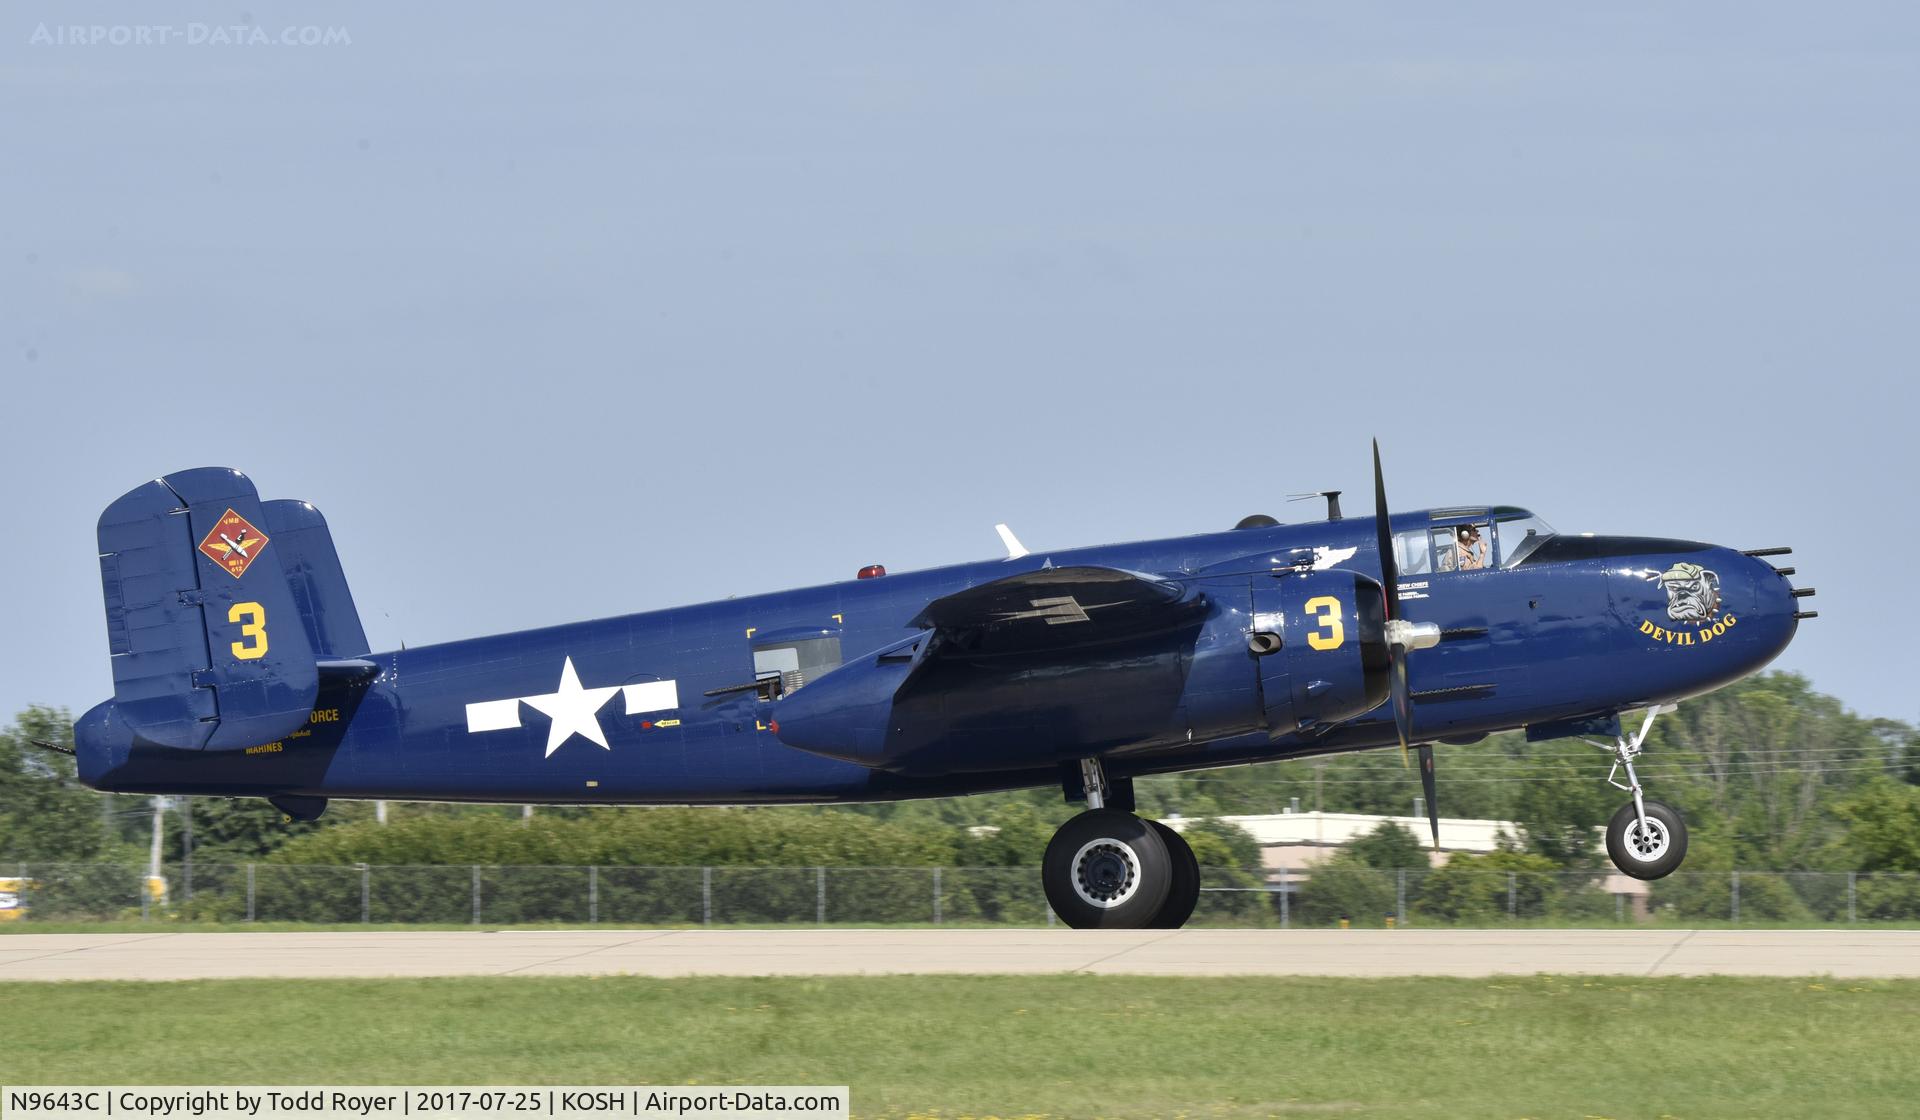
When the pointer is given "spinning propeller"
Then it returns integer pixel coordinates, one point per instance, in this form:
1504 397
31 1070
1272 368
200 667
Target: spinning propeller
1403 637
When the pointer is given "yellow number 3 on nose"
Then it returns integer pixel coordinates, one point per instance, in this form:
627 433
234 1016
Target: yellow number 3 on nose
253 627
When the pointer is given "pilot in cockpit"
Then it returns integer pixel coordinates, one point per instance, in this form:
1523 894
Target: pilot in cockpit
1470 549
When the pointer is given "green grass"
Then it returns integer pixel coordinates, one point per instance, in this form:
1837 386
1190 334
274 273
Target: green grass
134 925
1023 1046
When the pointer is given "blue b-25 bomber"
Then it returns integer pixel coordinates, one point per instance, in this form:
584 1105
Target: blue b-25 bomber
240 668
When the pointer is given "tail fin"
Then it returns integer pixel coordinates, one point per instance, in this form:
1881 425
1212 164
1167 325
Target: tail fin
203 583
313 575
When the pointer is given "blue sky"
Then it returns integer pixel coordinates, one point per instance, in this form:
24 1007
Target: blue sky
581 310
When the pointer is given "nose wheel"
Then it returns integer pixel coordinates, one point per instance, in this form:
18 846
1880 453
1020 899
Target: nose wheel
1646 839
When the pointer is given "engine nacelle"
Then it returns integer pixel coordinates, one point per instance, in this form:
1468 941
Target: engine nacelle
1320 641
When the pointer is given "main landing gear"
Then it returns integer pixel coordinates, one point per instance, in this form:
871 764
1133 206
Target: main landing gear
1109 869
1646 839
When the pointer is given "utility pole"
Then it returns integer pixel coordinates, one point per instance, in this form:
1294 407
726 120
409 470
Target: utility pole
186 845
153 850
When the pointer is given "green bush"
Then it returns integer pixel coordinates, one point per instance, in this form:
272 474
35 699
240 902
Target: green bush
1345 887
1887 897
1474 889
672 837
82 891
1708 895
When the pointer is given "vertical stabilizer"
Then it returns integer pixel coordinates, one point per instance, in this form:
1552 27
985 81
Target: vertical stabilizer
208 644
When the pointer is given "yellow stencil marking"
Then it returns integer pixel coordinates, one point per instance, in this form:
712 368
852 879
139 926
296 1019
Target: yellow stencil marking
1326 611
254 630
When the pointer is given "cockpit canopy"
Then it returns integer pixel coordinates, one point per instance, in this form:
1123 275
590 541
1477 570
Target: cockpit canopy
1469 538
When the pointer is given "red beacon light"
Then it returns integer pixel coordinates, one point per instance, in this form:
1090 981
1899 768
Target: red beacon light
873 571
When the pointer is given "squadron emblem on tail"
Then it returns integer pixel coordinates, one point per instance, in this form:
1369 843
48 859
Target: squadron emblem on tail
233 543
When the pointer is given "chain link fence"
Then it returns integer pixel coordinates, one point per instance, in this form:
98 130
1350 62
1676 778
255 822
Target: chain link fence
1329 895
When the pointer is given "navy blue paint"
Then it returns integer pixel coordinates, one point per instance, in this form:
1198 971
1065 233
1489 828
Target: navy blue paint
1554 639
319 586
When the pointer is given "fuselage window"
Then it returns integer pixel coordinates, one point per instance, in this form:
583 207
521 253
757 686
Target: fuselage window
1410 552
794 663
1463 548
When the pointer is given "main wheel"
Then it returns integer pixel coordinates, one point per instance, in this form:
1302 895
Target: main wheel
1654 852
1106 869
1183 891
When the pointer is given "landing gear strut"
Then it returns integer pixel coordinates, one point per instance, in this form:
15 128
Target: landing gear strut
1109 869
1646 839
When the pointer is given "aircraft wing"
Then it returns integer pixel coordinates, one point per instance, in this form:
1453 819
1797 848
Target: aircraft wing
1055 609
1020 661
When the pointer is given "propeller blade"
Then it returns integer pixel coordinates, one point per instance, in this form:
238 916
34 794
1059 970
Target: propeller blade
1403 638
1390 575
1402 703
1390 583
1426 785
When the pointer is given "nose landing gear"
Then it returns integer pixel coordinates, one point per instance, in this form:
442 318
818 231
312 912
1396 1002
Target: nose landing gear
1646 839
1109 869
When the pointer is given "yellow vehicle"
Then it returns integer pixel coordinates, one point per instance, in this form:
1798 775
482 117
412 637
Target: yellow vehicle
13 899
15 893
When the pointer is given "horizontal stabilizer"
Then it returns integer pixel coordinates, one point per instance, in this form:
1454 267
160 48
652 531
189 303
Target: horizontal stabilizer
352 670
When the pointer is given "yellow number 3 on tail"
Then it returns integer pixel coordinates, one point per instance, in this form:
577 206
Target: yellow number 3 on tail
1325 610
253 627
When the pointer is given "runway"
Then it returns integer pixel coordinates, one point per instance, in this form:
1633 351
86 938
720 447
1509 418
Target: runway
832 952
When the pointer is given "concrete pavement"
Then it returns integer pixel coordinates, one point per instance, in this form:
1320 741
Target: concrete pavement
807 952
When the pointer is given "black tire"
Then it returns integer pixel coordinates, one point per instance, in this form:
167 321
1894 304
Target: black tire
1106 869
1647 860
1183 891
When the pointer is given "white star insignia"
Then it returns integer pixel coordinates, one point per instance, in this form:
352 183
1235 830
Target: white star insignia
573 710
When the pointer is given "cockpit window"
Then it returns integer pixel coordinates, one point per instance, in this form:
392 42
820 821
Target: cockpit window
1519 536
1410 552
1462 548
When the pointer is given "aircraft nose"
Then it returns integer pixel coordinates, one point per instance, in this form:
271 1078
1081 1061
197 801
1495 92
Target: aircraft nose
1771 602
1702 616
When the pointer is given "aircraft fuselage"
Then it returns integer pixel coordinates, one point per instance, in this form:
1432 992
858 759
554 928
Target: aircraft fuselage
617 711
